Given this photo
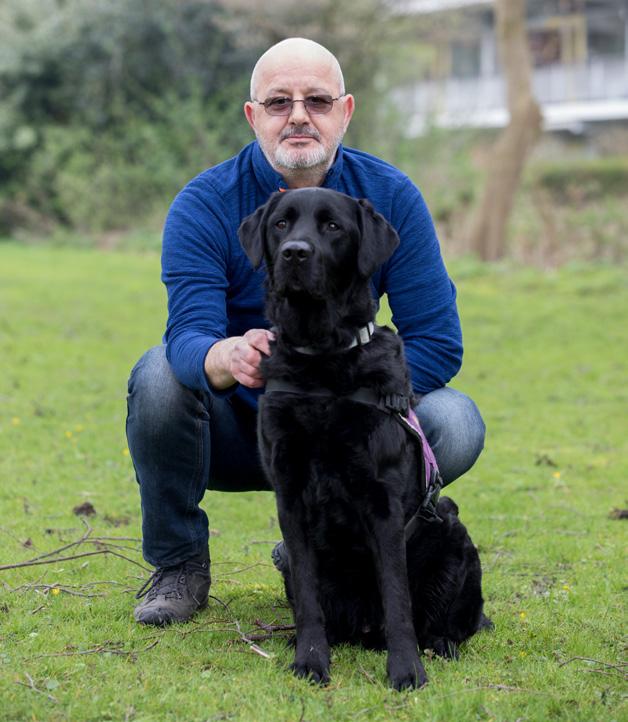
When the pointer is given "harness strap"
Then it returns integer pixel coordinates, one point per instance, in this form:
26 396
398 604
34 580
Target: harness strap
399 407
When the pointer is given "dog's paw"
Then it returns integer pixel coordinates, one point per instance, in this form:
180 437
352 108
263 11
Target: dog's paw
317 673
406 673
312 664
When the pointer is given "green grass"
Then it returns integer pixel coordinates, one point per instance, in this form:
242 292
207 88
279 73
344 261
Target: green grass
546 362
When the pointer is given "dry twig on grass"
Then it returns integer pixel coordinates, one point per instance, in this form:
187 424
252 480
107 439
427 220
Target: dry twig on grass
105 648
31 685
53 557
245 637
619 668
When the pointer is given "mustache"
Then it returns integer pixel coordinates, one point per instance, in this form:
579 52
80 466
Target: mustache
303 130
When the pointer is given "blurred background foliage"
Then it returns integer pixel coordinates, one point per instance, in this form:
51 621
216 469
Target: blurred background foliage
109 107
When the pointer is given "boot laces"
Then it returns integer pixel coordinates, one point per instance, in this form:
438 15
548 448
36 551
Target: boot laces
165 582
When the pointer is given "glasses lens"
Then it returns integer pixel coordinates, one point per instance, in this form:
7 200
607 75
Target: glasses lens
278 106
319 103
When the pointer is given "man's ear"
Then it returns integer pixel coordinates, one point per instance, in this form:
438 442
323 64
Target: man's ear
252 231
378 239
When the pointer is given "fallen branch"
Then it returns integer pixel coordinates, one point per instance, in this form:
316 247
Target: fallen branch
264 541
618 668
244 637
270 631
54 558
39 560
86 533
371 678
244 569
31 685
274 627
66 589
101 649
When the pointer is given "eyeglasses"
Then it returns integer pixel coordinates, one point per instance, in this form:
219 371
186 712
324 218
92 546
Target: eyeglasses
314 104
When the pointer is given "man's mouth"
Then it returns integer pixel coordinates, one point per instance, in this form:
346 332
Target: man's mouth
298 135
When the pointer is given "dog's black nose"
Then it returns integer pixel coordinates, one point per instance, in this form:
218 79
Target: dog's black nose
296 251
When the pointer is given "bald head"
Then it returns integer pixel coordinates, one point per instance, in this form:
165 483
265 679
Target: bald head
296 52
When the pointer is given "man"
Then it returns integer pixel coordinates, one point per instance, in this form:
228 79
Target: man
192 403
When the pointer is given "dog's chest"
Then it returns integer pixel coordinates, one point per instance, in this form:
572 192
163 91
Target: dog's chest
323 442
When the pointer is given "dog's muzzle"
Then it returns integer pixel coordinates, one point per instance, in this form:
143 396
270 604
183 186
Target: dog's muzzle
298 268
296 252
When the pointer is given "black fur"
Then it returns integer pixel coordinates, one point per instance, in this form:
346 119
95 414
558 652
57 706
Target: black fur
346 475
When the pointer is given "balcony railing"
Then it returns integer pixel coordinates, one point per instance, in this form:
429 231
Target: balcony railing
482 100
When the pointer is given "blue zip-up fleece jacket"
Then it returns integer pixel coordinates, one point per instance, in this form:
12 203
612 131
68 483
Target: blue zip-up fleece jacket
214 293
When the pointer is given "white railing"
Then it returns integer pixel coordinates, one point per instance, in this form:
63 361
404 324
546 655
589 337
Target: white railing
454 101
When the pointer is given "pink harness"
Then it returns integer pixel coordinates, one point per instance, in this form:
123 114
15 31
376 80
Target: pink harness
430 466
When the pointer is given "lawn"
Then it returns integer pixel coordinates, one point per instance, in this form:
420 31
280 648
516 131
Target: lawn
545 361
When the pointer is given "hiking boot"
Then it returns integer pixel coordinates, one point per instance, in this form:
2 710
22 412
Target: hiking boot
174 594
279 556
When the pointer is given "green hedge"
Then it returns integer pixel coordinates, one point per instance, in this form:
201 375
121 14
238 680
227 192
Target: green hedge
582 179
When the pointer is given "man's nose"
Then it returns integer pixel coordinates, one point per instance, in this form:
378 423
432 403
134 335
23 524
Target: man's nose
299 114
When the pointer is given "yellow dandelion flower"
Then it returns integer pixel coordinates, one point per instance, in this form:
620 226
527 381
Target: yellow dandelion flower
522 615
55 591
523 654
566 587
16 421
125 452
68 434
556 474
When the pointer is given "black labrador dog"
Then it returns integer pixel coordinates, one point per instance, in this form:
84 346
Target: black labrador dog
363 566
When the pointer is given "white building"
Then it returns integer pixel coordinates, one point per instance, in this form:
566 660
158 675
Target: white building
579 51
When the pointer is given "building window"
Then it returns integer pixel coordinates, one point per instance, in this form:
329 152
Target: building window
465 58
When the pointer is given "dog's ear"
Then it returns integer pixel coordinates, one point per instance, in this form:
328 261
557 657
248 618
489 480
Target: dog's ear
378 239
252 231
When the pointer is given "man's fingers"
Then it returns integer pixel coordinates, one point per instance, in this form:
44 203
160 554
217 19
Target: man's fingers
245 354
260 339
249 381
246 357
243 368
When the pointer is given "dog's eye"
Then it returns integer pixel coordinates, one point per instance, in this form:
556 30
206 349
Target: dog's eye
331 226
281 224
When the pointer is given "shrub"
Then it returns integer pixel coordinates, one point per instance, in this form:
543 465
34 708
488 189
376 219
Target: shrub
108 108
582 179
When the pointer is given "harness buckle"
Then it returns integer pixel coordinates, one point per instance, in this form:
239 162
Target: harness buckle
427 510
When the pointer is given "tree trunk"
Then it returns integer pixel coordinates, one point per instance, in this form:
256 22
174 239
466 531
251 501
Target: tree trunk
488 230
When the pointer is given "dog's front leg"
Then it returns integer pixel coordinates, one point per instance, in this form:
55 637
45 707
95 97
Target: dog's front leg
389 549
312 648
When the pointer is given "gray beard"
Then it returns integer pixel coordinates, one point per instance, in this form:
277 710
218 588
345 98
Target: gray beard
299 160
318 158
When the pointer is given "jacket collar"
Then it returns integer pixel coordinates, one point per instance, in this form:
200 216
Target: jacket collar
271 181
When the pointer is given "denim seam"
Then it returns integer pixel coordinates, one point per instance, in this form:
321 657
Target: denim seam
192 503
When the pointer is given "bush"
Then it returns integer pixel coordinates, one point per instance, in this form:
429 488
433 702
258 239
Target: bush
582 179
111 180
108 108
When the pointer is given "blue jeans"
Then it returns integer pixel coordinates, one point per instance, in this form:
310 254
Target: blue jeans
183 442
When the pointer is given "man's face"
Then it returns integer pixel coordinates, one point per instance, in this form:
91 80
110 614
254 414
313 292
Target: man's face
301 139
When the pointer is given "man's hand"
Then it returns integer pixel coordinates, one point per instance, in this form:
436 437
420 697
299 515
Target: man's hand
238 359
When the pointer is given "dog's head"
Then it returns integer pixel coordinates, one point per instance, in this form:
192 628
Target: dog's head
316 242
